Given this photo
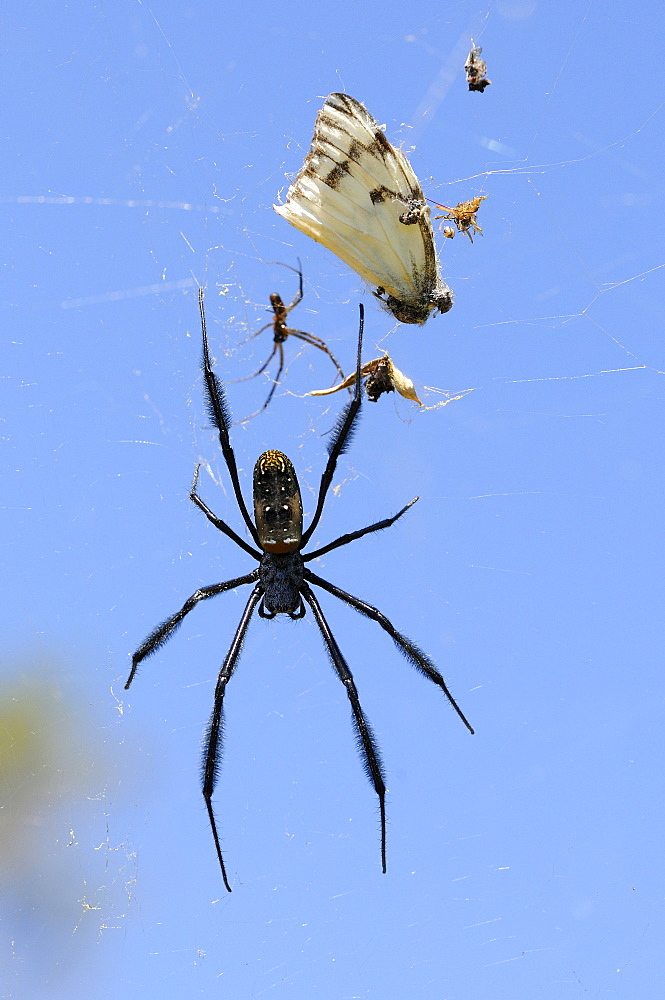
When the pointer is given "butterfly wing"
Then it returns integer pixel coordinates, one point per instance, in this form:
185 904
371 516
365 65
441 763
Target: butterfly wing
358 196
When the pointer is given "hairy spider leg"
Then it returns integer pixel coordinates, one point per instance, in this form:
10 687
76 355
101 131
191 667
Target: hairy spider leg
341 437
365 737
352 535
217 521
413 654
219 414
213 738
163 632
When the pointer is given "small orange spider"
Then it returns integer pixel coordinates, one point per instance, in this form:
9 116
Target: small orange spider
464 217
280 332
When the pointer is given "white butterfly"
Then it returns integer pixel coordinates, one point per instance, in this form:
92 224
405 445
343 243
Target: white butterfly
357 195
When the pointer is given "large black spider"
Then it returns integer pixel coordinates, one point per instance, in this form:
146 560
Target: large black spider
282 581
280 332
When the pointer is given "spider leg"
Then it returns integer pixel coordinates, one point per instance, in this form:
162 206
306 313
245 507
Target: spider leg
309 338
164 631
366 739
415 655
275 383
352 535
215 731
222 525
219 412
341 437
263 367
299 294
251 337
280 368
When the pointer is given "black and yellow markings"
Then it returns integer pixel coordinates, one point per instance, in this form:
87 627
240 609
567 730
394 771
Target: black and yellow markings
277 503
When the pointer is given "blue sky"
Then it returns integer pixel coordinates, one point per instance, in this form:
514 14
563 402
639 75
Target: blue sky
144 148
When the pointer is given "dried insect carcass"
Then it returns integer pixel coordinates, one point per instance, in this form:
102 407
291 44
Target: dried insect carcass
476 68
381 375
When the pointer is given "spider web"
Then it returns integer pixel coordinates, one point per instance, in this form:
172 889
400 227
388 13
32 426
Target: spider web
518 861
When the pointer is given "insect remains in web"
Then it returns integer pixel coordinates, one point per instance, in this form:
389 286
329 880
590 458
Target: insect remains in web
475 69
281 332
463 215
381 375
282 583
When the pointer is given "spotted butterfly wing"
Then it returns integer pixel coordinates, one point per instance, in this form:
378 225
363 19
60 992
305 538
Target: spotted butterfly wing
357 195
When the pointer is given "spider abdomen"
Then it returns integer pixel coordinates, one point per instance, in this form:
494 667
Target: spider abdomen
281 577
277 503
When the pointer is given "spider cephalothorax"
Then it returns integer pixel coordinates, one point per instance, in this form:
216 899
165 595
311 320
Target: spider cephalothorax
282 580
